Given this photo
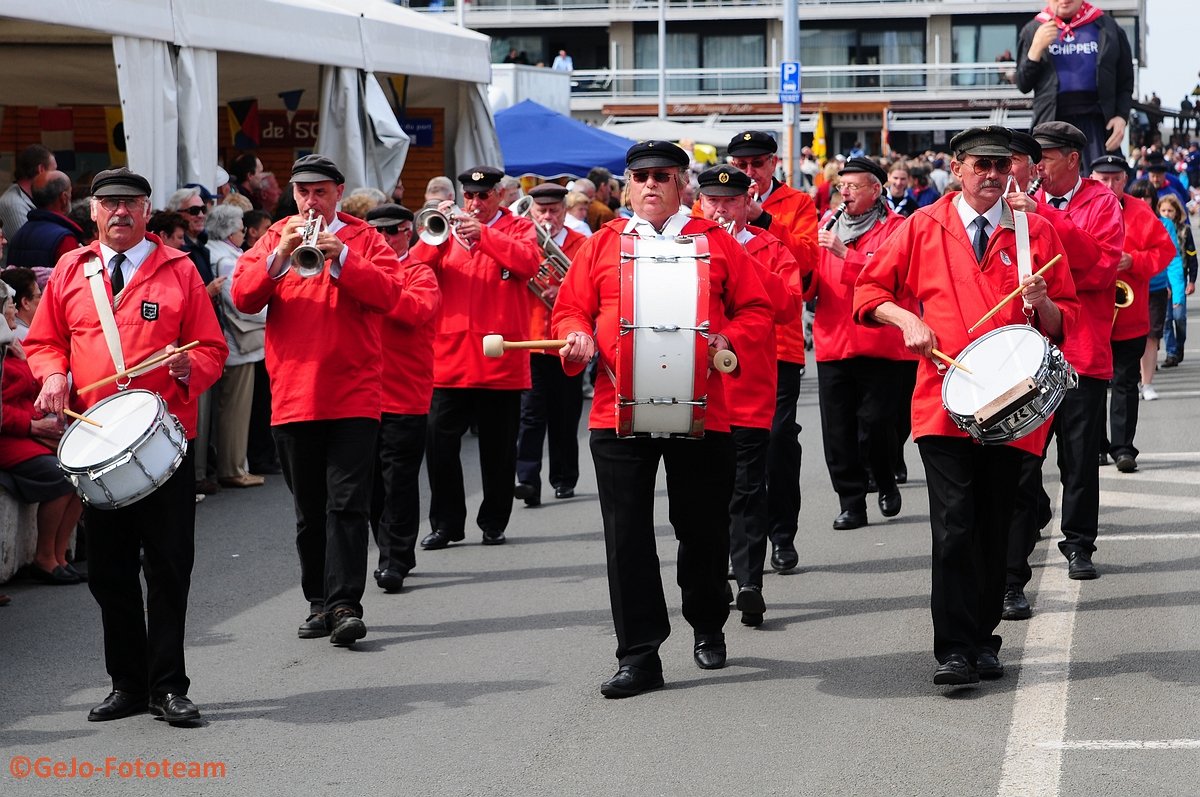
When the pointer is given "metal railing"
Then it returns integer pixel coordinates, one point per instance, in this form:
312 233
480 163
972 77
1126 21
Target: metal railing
434 6
982 79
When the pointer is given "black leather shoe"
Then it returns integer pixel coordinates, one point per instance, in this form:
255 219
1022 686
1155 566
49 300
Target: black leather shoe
751 604
1080 567
118 705
493 537
525 491
1016 607
728 593
955 671
630 681
389 580
1126 464
564 492
889 504
902 475
59 576
174 709
709 651
988 666
315 627
79 574
784 557
1104 460
347 627
440 538
850 519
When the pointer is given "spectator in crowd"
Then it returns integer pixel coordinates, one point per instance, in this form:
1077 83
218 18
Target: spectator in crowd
170 227
939 176
516 57
1159 293
923 190
897 195
238 201
1158 172
29 467
563 62
1182 280
510 190
48 232
28 295
245 336
439 189
246 173
829 180
577 211
256 222
17 201
81 214
223 185
398 192
599 213
361 201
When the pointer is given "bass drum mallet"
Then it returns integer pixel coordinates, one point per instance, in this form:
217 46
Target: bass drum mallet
724 360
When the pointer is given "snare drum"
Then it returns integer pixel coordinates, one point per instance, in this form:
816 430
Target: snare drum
1019 378
661 373
136 449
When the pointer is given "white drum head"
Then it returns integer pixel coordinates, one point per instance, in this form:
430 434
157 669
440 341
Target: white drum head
999 360
125 418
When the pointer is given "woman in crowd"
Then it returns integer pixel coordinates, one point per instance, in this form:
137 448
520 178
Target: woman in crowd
1182 278
245 336
29 466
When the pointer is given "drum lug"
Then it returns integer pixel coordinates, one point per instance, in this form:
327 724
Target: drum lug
95 475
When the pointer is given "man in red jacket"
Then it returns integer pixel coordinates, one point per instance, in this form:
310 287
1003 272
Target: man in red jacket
407 338
159 304
324 354
790 216
965 238
700 472
483 270
861 372
725 199
550 409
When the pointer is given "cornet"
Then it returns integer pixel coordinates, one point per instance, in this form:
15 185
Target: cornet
434 226
728 226
1124 298
310 260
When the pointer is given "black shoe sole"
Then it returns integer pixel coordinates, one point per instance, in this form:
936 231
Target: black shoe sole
350 633
751 601
1017 614
312 634
1084 575
183 720
992 674
955 679
525 492
752 619
92 717
613 693
494 540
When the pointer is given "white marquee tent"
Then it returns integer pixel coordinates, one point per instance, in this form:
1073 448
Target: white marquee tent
172 63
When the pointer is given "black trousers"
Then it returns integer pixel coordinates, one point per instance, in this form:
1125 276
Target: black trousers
1123 405
783 458
907 369
970 510
260 445
551 408
1029 515
858 419
1078 427
496 412
143 645
328 466
748 507
396 493
699 484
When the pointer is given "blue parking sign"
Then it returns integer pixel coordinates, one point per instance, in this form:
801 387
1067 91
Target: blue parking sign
789 82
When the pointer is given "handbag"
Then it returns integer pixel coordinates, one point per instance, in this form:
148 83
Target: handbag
249 335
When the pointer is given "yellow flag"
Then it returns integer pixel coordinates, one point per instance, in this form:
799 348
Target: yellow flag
115 132
818 145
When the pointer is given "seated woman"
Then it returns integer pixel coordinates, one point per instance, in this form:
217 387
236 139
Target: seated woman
30 466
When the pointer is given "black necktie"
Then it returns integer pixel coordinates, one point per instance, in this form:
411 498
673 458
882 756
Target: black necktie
1058 201
981 237
118 276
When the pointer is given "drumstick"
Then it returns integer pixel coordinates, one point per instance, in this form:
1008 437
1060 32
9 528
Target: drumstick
941 355
496 345
84 418
1013 295
143 365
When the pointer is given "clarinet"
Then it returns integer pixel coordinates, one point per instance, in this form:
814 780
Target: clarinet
834 218
1034 184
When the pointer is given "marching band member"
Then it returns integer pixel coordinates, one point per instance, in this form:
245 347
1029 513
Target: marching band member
725 199
1087 219
700 473
482 270
552 406
790 216
965 239
861 372
323 354
159 303
407 339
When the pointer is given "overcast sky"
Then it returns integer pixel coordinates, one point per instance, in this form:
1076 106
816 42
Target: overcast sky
1174 59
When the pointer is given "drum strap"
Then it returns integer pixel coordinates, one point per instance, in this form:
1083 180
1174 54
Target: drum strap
94 271
1024 261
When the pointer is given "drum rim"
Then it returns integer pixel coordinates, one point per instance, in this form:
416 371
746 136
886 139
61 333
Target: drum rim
1047 343
136 444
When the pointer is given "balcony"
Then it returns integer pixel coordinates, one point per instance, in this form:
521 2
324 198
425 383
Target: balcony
593 89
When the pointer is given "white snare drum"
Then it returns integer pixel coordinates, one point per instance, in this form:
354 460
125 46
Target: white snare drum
136 449
662 350
1019 378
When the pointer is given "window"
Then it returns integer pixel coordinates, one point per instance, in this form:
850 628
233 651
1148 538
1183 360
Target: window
979 44
864 46
692 50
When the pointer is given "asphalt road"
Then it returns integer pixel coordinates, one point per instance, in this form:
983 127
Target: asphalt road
482 677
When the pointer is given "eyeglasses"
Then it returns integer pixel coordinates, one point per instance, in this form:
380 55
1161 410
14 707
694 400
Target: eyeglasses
111 203
395 229
476 194
843 188
659 177
199 210
984 165
756 163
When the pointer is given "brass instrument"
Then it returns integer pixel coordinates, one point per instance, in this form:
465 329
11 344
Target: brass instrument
553 268
728 226
1124 298
310 260
434 226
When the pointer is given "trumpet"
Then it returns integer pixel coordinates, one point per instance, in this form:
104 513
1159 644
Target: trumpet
553 268
310 260
728 226
434 227
1124 298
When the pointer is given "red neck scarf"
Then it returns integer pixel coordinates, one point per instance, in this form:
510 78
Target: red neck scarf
1086 14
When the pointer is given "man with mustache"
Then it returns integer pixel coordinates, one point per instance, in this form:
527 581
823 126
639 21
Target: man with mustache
700 472
159 303
957 258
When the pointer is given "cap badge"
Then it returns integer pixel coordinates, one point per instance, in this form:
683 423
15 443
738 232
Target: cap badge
1004 259
746 137
723 177
476 175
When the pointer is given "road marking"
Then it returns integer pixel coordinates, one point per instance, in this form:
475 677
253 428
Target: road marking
1033 754
1178 456
1125 744
1107 538
1112 499
1154 474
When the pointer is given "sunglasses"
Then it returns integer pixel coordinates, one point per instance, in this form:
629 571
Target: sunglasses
111 203
659 177
756 163
476 194
395 229
199 210
984 165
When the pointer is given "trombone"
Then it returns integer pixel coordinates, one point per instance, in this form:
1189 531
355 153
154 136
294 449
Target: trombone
554 265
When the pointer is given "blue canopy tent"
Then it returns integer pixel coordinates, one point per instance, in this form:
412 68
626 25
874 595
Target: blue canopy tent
537 140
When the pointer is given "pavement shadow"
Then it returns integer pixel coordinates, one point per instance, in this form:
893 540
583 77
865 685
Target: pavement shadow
423 579
1169 666
824 610
896 564
475 627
